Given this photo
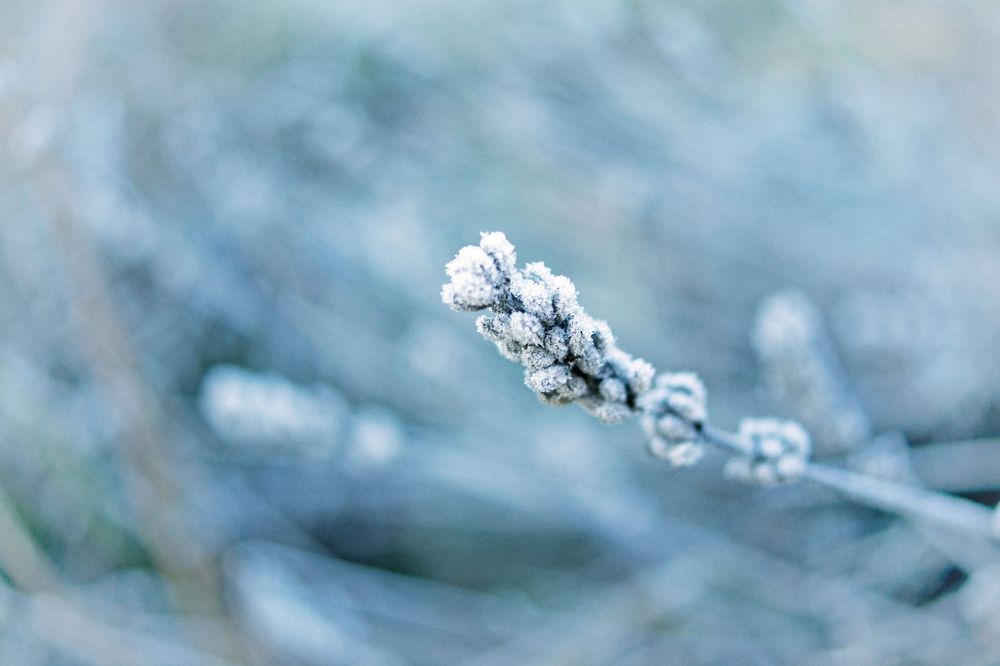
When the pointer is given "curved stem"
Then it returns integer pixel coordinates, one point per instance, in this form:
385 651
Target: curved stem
911 501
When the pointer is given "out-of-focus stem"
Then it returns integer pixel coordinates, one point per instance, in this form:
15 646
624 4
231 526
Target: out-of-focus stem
911 501
21 559
926 505
152 474
33 573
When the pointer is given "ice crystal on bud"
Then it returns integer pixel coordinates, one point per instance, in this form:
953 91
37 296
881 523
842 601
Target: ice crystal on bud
525 329
547 380
779 452
534 319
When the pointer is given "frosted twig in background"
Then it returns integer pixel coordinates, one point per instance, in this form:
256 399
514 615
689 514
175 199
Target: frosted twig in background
271 412
21 559
803 372
152 467
267 413
569 357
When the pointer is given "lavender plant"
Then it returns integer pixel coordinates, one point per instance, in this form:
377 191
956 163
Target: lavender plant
534 318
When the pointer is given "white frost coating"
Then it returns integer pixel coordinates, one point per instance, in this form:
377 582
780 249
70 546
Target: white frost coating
780 452
535 320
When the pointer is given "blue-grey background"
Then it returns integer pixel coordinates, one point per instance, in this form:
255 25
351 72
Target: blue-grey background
237 424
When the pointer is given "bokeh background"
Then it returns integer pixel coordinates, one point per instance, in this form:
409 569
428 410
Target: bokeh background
238 426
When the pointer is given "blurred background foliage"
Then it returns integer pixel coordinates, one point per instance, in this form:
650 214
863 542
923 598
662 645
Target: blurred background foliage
237 424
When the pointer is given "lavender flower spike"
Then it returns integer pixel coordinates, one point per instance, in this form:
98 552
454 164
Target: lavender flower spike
535 320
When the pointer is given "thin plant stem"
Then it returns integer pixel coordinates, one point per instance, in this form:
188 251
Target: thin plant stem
911 501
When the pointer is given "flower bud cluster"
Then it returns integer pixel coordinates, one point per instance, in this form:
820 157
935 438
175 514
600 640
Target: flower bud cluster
779 452
534 319
674 412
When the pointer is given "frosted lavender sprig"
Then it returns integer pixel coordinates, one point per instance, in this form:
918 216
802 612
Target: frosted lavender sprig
534 319
568 356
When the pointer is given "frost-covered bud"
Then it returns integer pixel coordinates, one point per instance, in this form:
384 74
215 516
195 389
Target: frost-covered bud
493 327
673 413
684 394
571 391
671 438
590 361
536 358
674 428
475 280
637 373
535 290
526 329
547 379
479 275
496 329
613 390
564 296
641 376
581 334
779 451
495 244
607 412
556 342
678 454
